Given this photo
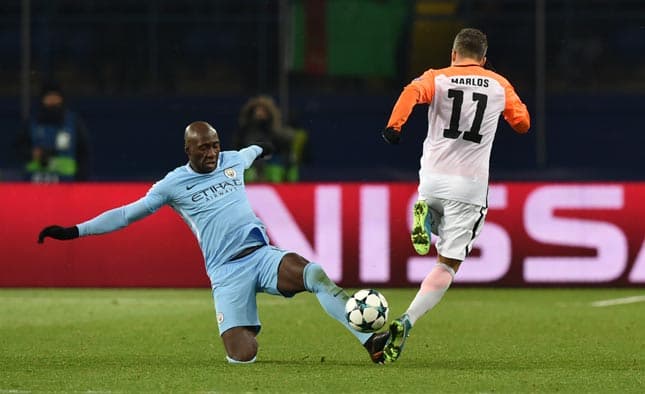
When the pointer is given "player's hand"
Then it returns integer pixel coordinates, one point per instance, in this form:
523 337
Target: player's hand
267 149
391 136
58 232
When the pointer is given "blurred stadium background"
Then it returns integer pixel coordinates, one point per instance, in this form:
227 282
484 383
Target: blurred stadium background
141 70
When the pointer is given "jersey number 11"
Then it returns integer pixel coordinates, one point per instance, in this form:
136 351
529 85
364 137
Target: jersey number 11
473 134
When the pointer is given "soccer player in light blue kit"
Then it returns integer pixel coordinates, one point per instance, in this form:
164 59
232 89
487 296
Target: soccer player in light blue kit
208 192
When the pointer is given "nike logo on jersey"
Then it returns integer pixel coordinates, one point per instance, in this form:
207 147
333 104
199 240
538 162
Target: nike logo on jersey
190 187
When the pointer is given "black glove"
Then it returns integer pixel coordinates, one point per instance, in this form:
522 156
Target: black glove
391 136
267 149
58 232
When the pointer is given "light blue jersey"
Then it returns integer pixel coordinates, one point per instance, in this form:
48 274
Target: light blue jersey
214 206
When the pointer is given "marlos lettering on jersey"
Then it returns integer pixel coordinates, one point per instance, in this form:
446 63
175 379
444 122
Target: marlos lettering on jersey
482 82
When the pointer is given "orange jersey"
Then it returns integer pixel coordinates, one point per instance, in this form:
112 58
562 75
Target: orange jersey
465 102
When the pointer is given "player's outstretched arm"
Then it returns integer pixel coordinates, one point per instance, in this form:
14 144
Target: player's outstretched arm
58 232
106 222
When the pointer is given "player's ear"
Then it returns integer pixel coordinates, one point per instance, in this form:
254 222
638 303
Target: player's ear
483 61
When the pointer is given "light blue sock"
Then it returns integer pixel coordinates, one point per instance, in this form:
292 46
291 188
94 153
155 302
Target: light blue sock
331 297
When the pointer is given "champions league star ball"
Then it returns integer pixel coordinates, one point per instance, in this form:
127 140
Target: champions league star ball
366 310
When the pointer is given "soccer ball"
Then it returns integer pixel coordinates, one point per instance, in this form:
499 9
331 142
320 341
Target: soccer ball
366 310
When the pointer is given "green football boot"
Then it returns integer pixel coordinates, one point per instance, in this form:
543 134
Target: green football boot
421 228
399 333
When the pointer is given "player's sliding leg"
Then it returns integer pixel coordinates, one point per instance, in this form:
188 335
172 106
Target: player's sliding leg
432 289
296 274
330 296
421 227
333 298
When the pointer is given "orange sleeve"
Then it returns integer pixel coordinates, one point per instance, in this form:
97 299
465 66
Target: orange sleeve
419 91
515 112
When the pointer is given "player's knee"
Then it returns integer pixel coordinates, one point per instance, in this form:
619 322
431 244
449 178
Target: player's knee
291 274
241 357
240 344
450 263
243 352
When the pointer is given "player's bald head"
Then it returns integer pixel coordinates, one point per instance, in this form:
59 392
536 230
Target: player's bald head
201 144
198 129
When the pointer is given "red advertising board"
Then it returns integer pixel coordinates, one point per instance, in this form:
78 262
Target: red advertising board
536 234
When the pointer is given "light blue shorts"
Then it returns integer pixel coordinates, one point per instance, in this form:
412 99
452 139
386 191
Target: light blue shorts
237 283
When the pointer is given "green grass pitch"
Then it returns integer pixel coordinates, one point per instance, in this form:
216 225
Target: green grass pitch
474 341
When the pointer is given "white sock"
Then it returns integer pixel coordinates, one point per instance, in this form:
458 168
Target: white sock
233 361
432 289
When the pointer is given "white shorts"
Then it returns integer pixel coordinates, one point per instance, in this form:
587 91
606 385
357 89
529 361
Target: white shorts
457 224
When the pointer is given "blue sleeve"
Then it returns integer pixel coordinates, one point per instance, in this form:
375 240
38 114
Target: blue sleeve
249 154
117 218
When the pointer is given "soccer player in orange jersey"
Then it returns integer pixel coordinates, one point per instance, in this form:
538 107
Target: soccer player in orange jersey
464 101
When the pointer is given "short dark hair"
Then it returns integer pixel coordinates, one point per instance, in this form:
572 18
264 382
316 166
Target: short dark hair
471 43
